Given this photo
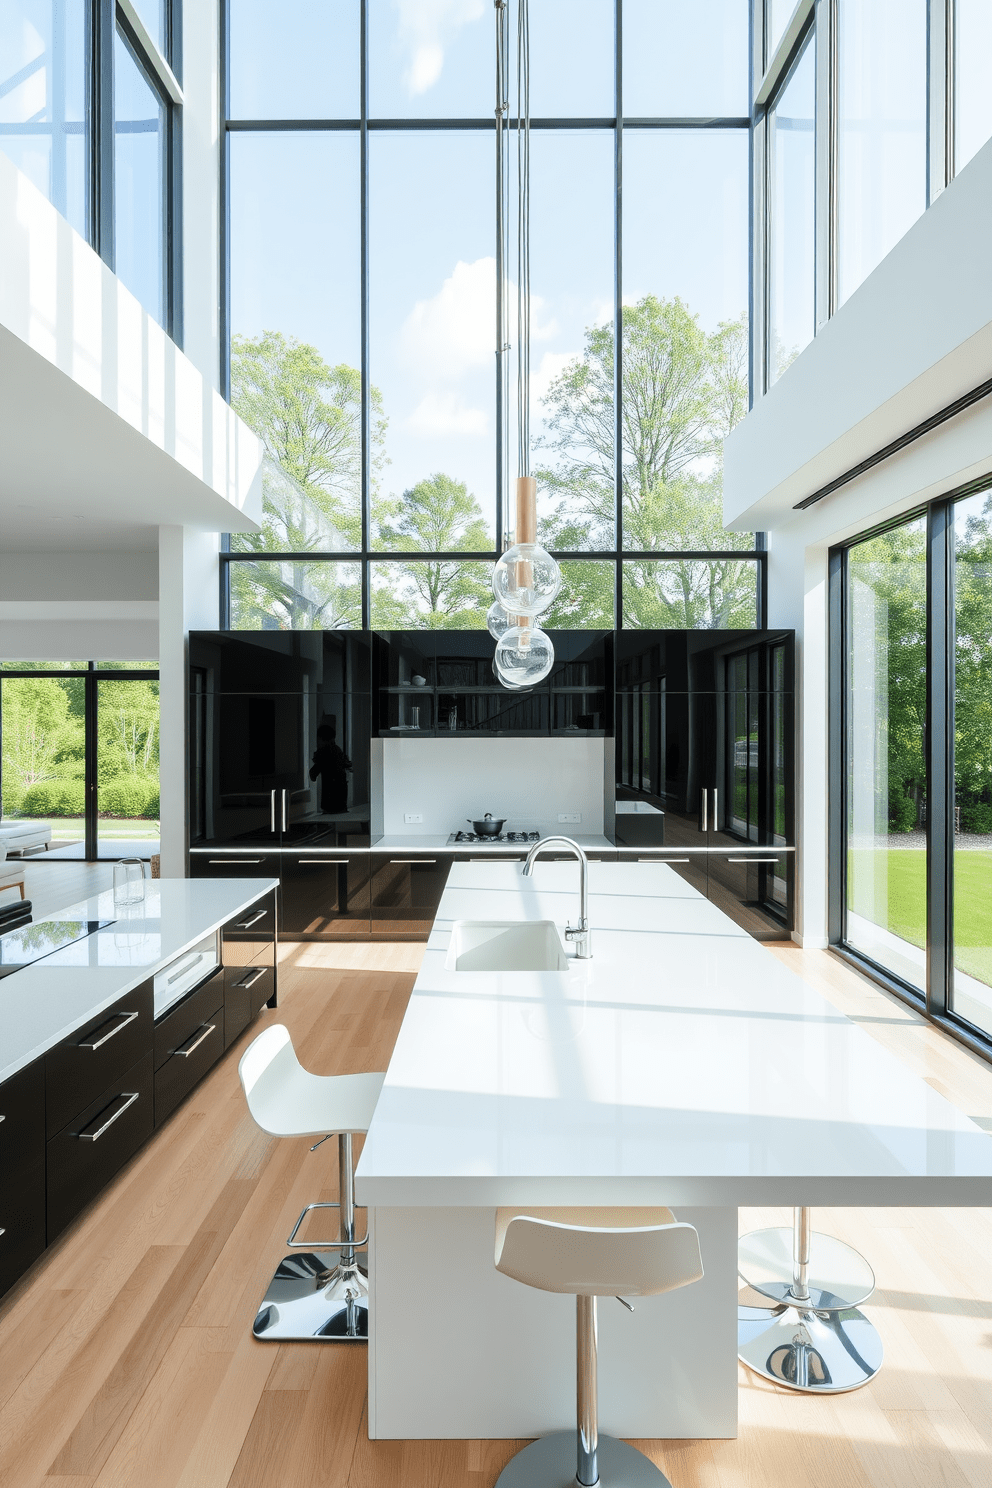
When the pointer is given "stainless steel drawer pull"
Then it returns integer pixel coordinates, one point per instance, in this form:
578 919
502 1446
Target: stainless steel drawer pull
128 1100
752 860
3 1118
412 861
663 860
3 1232
252 977
323 862
233 862
185 967
185 1053
252 920
98 1043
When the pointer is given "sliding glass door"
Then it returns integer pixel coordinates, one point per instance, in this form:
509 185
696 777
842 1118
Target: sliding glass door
970 991
912 810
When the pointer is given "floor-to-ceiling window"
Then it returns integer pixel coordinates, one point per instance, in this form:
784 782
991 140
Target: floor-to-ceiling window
912 662
90 110
79 754
362 238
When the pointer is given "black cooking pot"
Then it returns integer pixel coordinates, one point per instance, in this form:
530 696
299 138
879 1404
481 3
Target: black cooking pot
487 827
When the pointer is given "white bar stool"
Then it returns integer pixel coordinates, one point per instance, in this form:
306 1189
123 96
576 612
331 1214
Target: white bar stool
591 1253
815 1339
305 1299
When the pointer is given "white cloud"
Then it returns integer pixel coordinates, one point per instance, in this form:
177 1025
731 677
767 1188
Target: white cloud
455 330
445 413
425 27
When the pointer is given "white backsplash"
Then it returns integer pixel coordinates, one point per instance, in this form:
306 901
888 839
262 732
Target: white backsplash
527 781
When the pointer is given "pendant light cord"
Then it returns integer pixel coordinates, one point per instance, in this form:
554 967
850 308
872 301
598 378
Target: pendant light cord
523 237
503 247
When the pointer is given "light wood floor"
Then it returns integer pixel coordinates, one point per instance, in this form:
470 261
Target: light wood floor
52 884
126 1356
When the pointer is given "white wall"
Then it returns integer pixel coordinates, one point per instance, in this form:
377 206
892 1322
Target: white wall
201 187
528 781
64 606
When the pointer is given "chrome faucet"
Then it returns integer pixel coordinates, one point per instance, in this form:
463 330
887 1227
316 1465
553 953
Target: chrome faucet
581 933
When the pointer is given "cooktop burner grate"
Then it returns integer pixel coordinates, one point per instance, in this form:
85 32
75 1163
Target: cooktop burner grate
506 837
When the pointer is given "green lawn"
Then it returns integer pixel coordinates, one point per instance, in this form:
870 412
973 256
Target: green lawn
905 872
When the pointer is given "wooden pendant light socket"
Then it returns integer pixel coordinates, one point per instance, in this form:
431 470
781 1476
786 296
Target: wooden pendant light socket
525 530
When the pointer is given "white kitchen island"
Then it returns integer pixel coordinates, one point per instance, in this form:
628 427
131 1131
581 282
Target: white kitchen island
683 1065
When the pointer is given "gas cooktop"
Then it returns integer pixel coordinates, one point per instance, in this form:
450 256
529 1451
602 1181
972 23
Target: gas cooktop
472 837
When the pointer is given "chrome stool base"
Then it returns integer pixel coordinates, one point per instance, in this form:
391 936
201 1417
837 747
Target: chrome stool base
837 1277
549 1462
822 1353
308 1301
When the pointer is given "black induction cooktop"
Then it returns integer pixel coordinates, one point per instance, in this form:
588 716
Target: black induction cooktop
31 943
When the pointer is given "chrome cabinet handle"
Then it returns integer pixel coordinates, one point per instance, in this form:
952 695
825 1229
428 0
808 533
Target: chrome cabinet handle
252 977
284 811
233 862
663 860
752 860
128 1100
3 1232
703 817
253 920
98 1043
322 862
3 1118
185 1053
272 812
716 810
396 861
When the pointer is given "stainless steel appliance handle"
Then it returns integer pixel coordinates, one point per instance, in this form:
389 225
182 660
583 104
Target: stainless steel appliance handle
716 811
703 818
412 860
321 862
252 920
284 810
186 966
663 860
272 812
98 1043
752 860
208 1030
128 1100
252 977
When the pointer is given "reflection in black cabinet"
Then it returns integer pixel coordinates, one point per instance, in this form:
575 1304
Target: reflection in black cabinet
324 896
755 889
406 891
297 661
22 1163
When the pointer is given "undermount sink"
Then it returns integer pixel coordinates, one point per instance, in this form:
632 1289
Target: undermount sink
506 945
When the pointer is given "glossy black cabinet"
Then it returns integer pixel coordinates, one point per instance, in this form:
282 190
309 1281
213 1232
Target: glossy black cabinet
93 1058
442 684
755 888
22 1163
325 896
272 661
248 952
406 891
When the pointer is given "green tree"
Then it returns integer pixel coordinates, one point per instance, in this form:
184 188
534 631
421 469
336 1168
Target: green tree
973 668
42 739
436 515
683 390
128 729
308 415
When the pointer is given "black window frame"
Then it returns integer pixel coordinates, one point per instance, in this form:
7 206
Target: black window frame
366 555
935 1002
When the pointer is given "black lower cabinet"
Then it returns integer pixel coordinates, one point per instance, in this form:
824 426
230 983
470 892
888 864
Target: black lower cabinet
188 1042
22 1163
325 896
84 1065
754 889
248 956
406 891
85 1155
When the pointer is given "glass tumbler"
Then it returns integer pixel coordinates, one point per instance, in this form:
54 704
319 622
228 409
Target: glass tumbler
129 881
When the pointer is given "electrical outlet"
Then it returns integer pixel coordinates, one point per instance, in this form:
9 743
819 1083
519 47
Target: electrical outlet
570 816
413 816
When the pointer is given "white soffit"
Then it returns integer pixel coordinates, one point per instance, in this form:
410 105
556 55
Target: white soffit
104 424
916 336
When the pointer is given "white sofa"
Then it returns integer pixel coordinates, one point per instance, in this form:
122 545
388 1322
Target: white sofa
21 837
11 874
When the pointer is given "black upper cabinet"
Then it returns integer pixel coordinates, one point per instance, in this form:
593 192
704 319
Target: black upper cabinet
295 661
704 739
443 683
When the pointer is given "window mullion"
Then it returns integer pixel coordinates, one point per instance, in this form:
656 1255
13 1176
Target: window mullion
940 753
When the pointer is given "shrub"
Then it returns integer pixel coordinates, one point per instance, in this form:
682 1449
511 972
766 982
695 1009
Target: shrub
54 798
977 818
152 807
902 813
127 795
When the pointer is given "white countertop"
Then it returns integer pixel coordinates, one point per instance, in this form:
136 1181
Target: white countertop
43 1003
682 1065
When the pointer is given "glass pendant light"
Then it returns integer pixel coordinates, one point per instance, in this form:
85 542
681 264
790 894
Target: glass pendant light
524 655
526 579
496 620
